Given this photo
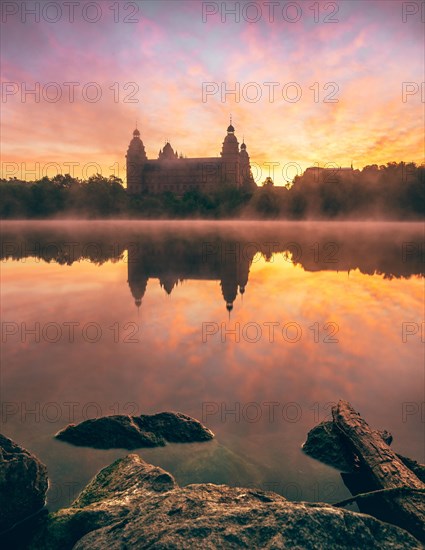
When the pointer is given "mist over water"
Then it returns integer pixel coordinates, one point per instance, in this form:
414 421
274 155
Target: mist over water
253 328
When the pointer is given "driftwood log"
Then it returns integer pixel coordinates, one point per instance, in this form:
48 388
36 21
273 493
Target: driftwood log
385 469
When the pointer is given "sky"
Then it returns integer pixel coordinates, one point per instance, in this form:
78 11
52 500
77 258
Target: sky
313 83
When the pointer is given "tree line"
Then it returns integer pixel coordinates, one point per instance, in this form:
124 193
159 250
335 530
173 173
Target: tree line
391 191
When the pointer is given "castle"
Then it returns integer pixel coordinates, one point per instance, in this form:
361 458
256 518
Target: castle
171 172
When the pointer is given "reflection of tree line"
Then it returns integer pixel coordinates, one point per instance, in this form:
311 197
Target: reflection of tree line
223 253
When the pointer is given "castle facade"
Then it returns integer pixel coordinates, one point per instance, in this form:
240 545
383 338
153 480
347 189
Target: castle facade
171 172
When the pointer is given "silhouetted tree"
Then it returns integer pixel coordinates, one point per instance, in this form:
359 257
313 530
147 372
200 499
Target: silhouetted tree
394 190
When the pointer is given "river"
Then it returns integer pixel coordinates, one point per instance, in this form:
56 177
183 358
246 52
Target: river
254 328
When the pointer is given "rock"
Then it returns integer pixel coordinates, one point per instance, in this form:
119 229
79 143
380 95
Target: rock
125 479
324 443
174 427
109 432
132 504
23 483
214 516
107 499
133 432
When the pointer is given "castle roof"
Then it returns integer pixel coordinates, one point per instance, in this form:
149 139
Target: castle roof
167 152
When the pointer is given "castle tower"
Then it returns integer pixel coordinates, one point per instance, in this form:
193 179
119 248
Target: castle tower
247 181
230 157
136 158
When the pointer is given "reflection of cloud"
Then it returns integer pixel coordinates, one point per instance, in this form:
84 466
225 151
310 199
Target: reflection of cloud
170 368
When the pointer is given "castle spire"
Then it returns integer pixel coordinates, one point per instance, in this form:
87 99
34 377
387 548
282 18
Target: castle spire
135 160
230 129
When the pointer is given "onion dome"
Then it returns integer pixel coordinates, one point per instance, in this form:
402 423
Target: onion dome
230 138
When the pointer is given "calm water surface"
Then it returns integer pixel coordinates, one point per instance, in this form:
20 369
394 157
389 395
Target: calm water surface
253 328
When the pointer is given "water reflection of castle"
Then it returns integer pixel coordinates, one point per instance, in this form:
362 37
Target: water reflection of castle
188 263
223 251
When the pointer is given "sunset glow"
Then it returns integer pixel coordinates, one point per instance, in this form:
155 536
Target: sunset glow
181 68
212 281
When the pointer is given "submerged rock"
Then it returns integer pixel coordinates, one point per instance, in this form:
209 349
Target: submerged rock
133 432
132 504
215 463
23 483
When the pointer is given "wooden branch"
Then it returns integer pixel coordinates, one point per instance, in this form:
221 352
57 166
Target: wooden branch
378 492
385 468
